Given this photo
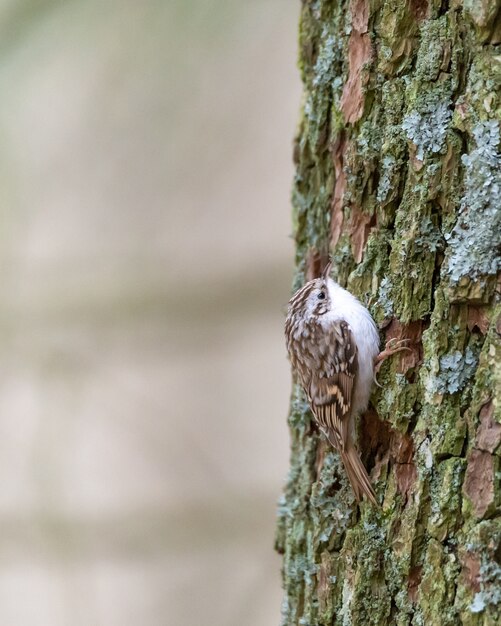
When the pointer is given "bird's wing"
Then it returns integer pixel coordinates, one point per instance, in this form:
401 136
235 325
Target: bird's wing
332 384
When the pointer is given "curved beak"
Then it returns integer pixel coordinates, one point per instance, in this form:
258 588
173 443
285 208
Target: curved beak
327 270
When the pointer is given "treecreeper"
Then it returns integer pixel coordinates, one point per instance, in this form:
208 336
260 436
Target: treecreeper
333 345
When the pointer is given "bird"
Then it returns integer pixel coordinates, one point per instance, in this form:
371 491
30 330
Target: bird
333 345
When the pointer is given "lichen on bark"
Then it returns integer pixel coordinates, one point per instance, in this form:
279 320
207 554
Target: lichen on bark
397 178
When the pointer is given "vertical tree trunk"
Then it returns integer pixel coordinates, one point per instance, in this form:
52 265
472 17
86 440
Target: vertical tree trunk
398 177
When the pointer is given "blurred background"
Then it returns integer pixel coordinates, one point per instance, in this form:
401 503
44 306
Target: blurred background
145 169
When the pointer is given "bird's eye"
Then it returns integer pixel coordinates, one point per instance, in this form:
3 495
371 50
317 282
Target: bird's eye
321 295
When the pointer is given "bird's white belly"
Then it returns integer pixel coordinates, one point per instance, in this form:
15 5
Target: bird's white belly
347 307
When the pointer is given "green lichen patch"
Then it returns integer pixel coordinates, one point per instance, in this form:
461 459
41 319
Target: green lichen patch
395 400
343 262
368 602
485 15
397 29
438 587
363 279
393 149
414 285
445 496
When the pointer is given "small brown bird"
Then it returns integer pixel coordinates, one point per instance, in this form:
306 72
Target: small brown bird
333 344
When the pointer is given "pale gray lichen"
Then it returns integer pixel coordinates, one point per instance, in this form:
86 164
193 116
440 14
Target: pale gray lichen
455 371
425 456
418 619
490 586
430 238
315 8
385 52
427 128
478 604
309 108
331 48
368 141
345 611
389 169
283 507
475 242
326 510
285 611
384 297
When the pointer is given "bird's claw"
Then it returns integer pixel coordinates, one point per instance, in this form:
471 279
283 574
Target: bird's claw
393 346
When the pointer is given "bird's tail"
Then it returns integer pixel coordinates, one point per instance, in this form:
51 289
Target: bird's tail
357 474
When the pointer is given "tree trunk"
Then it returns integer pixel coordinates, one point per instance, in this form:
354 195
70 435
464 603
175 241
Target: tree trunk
398 178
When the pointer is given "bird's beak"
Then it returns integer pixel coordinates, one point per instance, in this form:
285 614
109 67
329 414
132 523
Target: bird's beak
327 270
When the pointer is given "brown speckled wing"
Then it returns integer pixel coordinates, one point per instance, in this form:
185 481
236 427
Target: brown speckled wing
332 383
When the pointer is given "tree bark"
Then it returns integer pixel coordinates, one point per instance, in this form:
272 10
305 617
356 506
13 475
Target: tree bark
398 178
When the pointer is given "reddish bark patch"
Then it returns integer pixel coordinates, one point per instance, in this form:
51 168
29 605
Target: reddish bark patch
359 15
479 481
361 225
416 163
489 431
339 188
359 53
375 440
315 263
471 571
402 448
413 332
419 8
478 319
413 582
461 109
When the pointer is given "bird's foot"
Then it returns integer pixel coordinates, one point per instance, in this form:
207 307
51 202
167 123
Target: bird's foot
392 347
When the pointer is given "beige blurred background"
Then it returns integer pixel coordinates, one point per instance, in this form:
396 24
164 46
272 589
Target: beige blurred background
145 169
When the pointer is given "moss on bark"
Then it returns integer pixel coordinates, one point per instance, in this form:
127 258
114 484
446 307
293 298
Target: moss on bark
398 178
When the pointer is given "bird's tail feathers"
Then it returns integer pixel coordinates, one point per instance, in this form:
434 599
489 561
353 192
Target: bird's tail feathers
357 474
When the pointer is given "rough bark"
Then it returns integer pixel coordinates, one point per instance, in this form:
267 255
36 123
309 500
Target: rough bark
398 177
